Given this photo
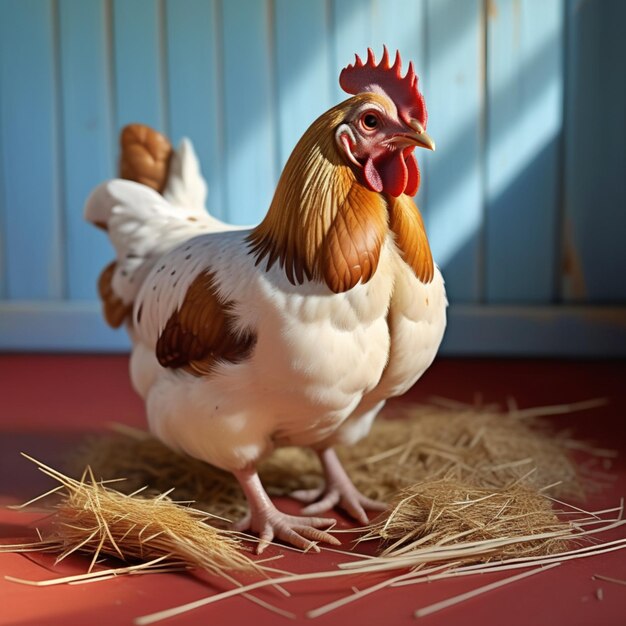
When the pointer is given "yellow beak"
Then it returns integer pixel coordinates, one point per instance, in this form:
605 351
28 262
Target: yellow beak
421 138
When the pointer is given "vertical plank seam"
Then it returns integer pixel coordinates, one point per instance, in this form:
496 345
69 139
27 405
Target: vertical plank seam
109 76
426 71
331 35
3 225
272 88
558 295
3 200
483 143
62 271
110 60
220 107
485 162
163 73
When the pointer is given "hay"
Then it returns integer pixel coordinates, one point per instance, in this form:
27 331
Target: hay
467 488
444 604
144 462
609 579
440 512
481 446
91 518
485 447
448 558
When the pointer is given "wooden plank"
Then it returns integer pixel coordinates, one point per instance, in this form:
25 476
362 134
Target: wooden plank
3 208
400 24
358 25
28 142
302 60
352 33
58 326
454 97
595 153
547 331
138 63
194 92
473 330
525 90
248 110
3 253
87 135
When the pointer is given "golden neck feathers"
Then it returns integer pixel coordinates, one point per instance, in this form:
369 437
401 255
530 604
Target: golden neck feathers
324 225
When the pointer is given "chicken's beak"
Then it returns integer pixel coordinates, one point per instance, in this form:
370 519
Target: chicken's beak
420 137
423 140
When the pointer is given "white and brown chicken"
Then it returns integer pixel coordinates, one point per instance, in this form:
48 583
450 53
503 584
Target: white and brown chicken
293 332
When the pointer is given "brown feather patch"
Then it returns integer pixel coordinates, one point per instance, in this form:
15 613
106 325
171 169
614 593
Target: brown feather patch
145 156
322 223
408 227
200 333
114 309
351 247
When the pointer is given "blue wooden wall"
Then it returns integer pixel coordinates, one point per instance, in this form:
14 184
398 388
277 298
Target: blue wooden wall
524 200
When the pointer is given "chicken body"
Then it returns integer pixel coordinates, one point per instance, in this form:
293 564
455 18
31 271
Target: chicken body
294 332
318 373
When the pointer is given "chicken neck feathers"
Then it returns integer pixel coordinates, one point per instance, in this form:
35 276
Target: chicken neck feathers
323 226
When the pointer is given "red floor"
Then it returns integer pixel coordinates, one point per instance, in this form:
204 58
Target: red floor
49 402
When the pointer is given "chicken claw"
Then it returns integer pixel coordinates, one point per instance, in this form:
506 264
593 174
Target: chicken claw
269 523
339 491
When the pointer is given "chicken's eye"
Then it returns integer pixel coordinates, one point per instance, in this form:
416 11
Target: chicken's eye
369 121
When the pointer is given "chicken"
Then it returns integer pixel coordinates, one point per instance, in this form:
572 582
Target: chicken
293 332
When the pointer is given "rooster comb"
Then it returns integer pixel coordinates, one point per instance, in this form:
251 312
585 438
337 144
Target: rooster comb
369 76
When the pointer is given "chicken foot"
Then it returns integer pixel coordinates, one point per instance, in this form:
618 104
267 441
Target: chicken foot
269 523
339 490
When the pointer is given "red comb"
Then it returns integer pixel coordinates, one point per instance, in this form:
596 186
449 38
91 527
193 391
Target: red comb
387 78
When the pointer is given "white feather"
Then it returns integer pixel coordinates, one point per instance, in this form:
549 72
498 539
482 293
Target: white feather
323 364
186 186
318 372
143 225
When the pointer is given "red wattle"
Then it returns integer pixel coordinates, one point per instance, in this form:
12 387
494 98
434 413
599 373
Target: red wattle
372 176
394 173
413 182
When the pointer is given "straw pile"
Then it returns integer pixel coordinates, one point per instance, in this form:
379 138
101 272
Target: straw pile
481 446
440 554
484 447
94 519
144 462
467 489
441 512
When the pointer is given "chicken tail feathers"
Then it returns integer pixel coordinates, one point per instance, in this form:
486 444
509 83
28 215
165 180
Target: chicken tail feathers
136 218
185 184
145 156
158 201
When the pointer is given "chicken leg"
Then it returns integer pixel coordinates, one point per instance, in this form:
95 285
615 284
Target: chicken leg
339 490
268 522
